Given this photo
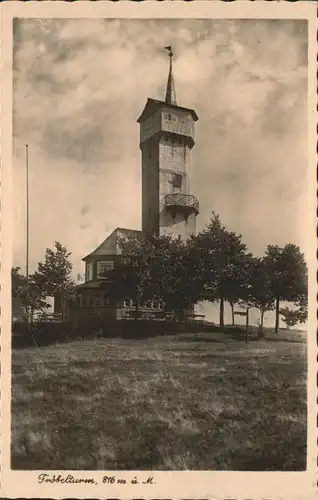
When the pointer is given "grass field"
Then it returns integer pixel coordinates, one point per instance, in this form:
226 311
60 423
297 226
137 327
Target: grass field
167 403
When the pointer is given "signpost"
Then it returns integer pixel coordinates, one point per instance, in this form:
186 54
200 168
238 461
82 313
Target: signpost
244 313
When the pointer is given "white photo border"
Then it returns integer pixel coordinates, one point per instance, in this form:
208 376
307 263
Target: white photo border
169 484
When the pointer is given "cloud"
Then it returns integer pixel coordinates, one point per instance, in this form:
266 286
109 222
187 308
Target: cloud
80 85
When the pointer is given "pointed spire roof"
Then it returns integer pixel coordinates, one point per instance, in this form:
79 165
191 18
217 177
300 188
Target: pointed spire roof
153 105
171 97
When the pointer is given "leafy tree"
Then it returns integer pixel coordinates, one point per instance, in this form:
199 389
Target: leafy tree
17 281
54 274
224 264
259 292
27 294
237 286
287 270
177 274
32 297
80 277
302 305
156 268
131 274
292 317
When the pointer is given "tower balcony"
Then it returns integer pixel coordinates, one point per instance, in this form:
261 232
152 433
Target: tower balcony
182 202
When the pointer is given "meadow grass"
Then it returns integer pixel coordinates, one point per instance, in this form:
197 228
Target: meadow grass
186 402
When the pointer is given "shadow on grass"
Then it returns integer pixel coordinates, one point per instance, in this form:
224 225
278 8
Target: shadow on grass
204 339
289 341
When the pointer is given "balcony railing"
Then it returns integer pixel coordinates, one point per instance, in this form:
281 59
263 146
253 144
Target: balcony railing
186 202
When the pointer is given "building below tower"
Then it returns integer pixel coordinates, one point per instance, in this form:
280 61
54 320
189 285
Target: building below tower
94 303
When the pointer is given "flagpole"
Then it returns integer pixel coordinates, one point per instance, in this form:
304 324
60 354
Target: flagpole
27 211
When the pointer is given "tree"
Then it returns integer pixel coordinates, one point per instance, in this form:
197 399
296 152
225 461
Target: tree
302 305
287 271
33 298
80 277
292 317
54 274
259 293
131 274
224 264
27 294
177 274
17 281
156 268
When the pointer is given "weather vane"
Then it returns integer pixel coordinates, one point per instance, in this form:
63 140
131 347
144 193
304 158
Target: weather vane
169 49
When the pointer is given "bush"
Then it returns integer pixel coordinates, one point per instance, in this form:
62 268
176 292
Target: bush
40 334
46 333
238 332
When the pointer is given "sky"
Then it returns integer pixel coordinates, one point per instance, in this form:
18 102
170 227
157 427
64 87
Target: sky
79 86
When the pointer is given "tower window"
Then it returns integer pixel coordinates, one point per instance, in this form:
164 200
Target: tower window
103 267
177 181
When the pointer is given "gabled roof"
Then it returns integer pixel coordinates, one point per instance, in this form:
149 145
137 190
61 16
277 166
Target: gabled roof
152 105
110 246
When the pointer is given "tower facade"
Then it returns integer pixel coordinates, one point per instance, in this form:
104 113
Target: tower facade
166 141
